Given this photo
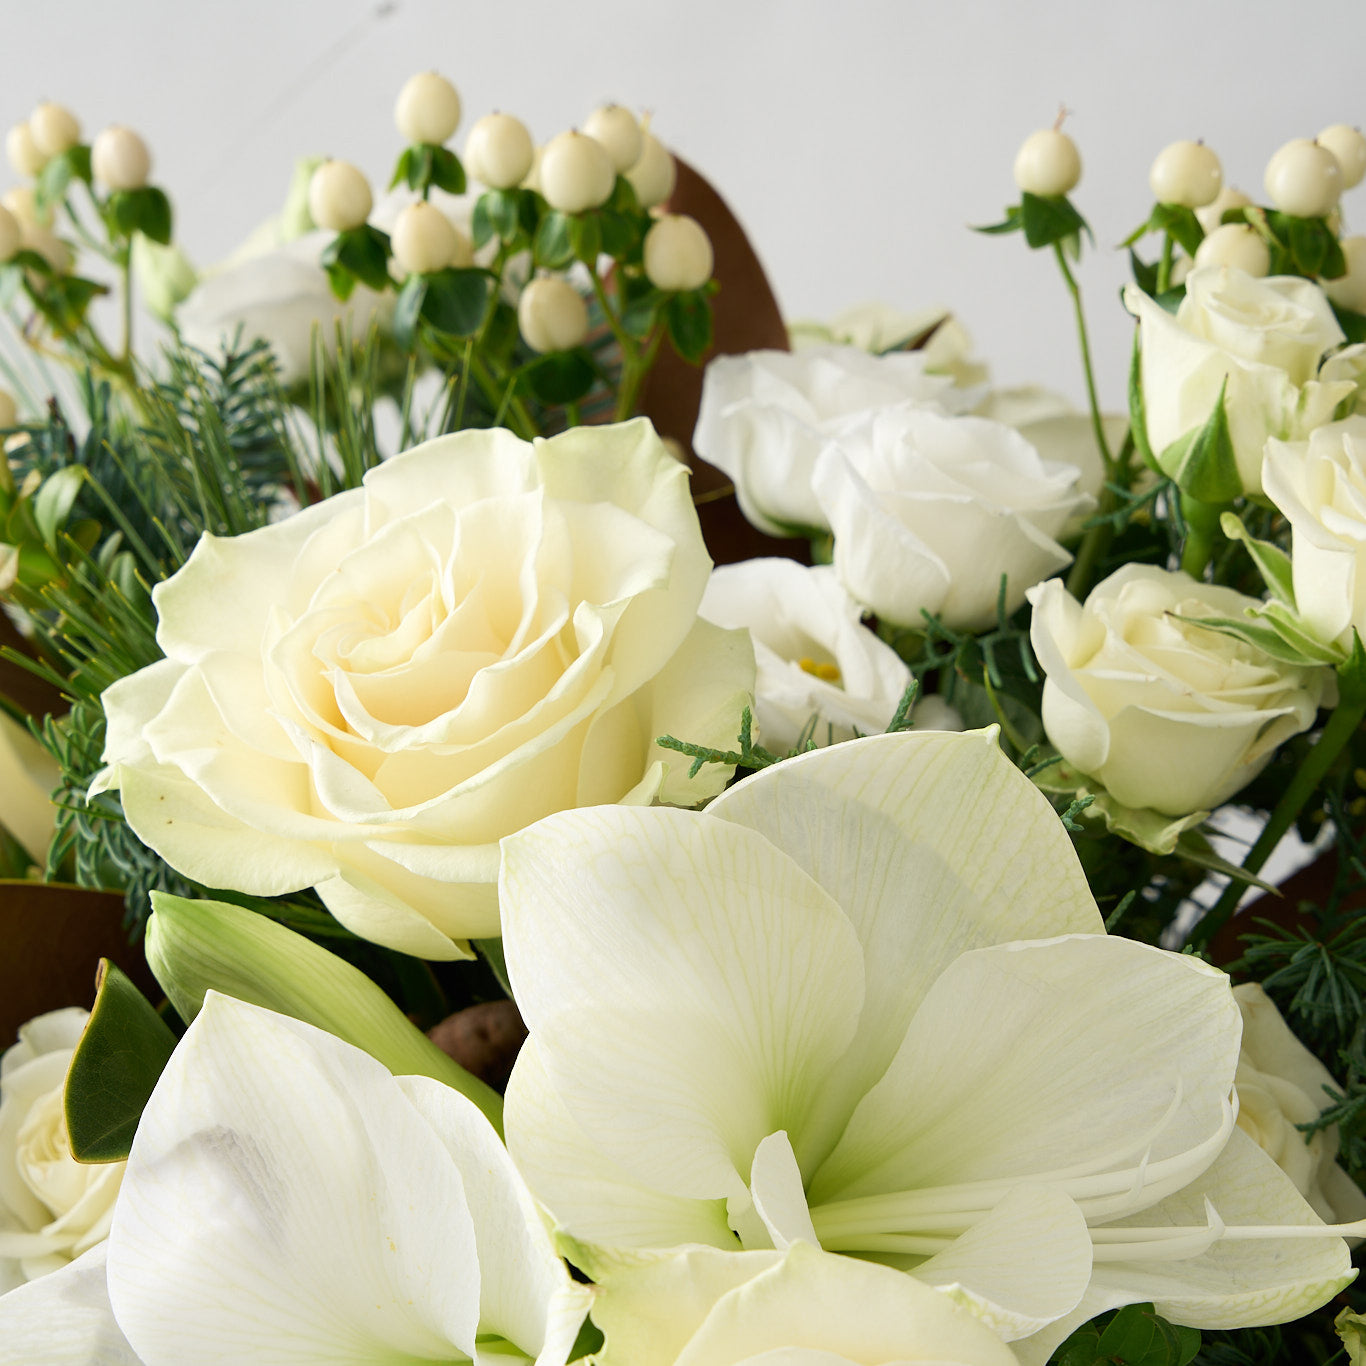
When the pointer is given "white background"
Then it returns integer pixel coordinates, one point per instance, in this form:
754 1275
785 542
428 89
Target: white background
855 141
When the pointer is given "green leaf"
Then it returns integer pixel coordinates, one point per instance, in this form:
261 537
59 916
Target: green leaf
446 171
560 377
403 168
1202 463
641 312
58 173
342 281
114 1069
1150 830
585 237
1352 674
1145 275
364 251
1048 219
1353 324
553 247
1275 630
1196 849
688 318
622 234
456 300
1012 222
1273 564
53 501
145 210
407 311
1179 223
495 215
1138 1336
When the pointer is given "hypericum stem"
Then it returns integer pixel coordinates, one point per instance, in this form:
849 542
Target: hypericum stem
1341 727
633 376
1164 266
1097 426
126 286
507 404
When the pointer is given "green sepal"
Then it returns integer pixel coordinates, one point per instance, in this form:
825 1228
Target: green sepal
553 247
1202 463
58 173
1150 830
1352 674
1047 219
1145 275
195 947
145 210
1351 1330
407 311
1274 629
560 377
1012 222
687 315
116 1065
363 253
456 299
1138 412
1273 564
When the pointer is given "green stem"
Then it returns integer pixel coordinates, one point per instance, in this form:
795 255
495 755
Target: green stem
633 376
126 286
1164 266
507 404
1093 545
624 340
1342 725
1097 426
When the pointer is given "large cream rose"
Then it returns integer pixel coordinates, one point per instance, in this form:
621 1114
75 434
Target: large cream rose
366 697
1167 714
1265 339
52 1208
1320 485
1280 1085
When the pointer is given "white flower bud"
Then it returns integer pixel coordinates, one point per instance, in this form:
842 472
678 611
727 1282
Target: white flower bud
339 196
619 132
54 129
23 204
1186 173
1349 291
552 315
428 109
22 151
119 159
423 240
1213 213
1304 179
576 173
499 151
1349 146
11 234
1048 163
1235 244
654 174
678 253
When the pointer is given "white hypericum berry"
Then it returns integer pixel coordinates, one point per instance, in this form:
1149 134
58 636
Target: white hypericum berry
1304 179
22 151
1349 146
551 315
339 196
618 131
678 253
1235 244
1047 163
1186 173
576 173
1349 291
428 109
23 204
119 159
499 151
1213 213
423 240
54 128
654 175
11 234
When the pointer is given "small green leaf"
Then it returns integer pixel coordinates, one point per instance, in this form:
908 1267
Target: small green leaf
1275 631
364 251
342 281
1202 463
1273 564
1145 275
1012 222
560 377
53 501
1048 219
688 318
585 237
1180 224
456 300
114 1069
58 173
1353 324
495 215
145 210
1138 1336
641 312
446 172
403 168
1308 240
553 247
407 311
1352 674
622 234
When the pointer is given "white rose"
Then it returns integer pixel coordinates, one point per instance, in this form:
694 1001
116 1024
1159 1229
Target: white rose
52 1208
367 696
765 417
28 775
1320 486
929 512
1165 713
1280 1085
1266 338
814 657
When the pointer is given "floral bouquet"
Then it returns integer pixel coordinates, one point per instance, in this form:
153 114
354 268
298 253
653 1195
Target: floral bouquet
516 939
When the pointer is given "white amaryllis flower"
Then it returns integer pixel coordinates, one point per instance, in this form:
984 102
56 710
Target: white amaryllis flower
866 1000
766 415
801 1307
929 511
52 1208
1320 486
366 696
288 1200
1264 339
1169 715
814 656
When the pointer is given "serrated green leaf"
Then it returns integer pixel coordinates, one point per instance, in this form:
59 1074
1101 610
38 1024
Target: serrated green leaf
407 310
688 318
1048 219
560 377
1202 463
114 1069
553 247
456 300
446 172
1273 564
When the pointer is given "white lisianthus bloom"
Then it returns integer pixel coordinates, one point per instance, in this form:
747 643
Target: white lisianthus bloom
866 1000
814 656
801 1307
1167 714
1264 338
289 1200
366 696
929 511
1281 1084
765 416
28 776
52 1208
1320 486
